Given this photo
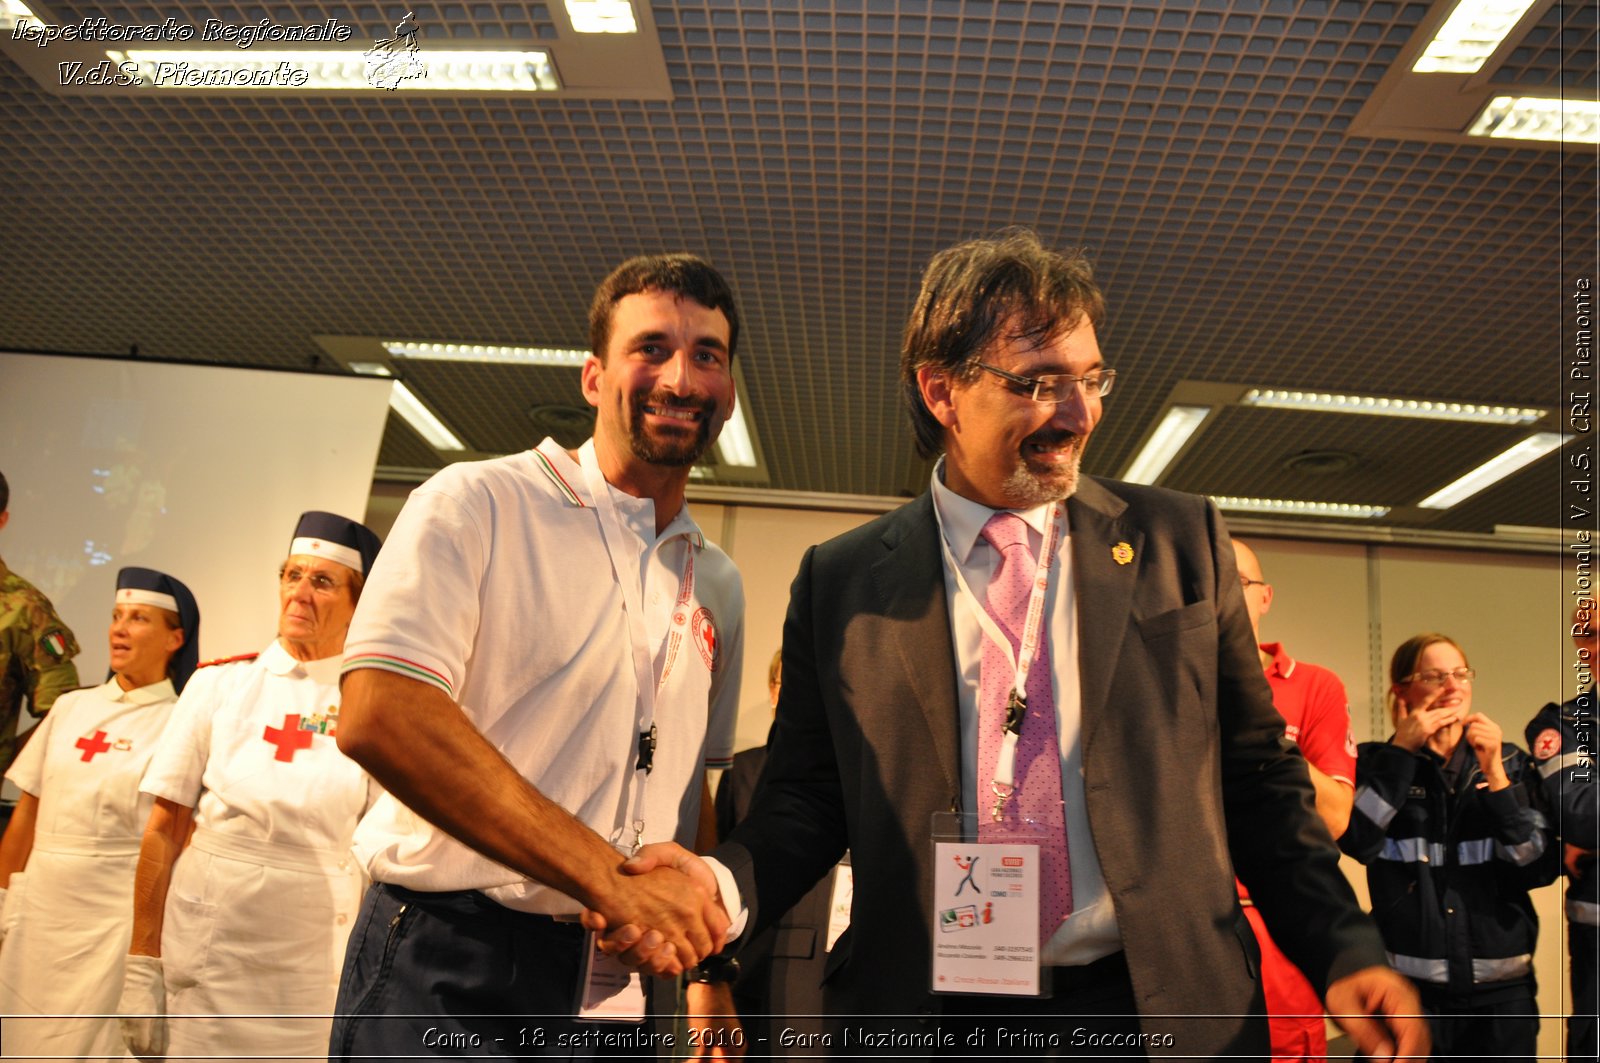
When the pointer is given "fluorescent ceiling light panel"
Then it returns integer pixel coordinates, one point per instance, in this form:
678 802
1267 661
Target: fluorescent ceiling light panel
13 12
1470 36
1170 435
1289 507
479 352
448 71
1494 470
418 416
734 445
1322 401
1539 118
602 16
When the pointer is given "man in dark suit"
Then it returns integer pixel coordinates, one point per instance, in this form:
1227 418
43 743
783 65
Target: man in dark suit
779 986
1172 765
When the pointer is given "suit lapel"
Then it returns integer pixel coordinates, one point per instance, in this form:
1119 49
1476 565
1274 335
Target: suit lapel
1106 556
909 581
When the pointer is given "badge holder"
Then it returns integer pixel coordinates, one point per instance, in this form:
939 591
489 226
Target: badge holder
608 990
986 908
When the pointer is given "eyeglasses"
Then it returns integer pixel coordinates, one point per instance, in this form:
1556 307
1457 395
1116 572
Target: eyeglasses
320 583
1055 387
1437 678
1246 582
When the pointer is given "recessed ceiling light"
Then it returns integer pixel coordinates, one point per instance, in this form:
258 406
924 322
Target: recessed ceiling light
734 445
1494 470
322 71
1386 407
480 352
1289 507
415 414
1539 118
1470 36
602 16
13 12
1180 423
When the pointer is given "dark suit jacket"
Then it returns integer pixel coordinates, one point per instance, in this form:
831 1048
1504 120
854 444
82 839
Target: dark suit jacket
781 969
1187 776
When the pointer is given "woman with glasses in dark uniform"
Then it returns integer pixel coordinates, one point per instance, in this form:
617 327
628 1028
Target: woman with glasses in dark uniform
1446 822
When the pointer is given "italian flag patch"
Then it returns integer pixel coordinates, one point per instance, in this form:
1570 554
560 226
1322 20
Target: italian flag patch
55 644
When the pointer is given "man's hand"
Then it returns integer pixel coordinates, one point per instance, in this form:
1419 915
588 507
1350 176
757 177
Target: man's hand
714 1030
665 914
1382 1013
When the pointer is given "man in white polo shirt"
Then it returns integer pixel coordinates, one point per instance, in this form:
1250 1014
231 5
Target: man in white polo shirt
542 666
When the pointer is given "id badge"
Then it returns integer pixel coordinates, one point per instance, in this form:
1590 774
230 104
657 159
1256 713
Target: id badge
610 990
985 917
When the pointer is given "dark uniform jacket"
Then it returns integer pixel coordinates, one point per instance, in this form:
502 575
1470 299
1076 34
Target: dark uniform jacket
1449 869
1561 738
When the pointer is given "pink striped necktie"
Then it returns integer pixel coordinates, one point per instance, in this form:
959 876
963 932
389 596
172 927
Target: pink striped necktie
1034 808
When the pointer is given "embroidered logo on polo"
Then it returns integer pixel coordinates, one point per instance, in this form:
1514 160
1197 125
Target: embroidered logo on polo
704 629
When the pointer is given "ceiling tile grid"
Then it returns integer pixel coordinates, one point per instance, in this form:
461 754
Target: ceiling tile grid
1198 151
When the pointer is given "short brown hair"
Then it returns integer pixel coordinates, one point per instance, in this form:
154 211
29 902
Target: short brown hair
978 293
686 276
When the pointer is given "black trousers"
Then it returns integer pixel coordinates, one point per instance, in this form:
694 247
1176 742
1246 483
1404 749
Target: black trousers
1499 1023
1584 940
452 975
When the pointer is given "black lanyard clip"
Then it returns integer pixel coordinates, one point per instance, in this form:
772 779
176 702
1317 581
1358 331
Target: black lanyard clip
647 749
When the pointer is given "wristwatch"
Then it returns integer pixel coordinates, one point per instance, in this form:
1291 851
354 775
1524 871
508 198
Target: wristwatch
715 970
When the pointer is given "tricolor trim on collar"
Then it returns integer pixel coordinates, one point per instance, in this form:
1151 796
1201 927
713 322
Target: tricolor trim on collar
337 552
555 478
137 596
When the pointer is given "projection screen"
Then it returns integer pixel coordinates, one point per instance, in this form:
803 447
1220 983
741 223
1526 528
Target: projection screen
200 471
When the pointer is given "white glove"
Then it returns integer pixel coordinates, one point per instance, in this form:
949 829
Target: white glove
142 1009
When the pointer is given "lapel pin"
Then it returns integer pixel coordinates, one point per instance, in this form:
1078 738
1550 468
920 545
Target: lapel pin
1122 553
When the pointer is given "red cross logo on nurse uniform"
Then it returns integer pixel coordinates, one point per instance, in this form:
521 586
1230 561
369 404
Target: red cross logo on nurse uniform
289 740
92 744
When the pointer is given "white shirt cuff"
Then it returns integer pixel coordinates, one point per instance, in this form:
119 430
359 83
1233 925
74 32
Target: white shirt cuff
738 914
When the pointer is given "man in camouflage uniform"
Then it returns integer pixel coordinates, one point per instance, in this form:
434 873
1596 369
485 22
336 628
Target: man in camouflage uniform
36 651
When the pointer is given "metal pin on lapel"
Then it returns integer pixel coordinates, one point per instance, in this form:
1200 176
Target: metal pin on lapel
1122 553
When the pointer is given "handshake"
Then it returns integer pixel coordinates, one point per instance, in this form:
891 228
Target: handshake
662 911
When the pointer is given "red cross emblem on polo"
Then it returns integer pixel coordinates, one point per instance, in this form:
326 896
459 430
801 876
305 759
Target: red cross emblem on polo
289 739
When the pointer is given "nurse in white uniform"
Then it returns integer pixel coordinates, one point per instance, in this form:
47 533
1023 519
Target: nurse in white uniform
67 859
238 937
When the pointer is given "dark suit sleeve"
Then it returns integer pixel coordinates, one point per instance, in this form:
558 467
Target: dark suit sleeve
1279 845
727 818
796 829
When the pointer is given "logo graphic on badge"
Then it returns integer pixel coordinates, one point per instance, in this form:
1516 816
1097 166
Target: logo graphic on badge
394 59
1548 744
704 629
962 918
1122 553
969 864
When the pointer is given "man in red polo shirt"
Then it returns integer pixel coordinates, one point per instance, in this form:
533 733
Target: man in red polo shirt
1316 715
